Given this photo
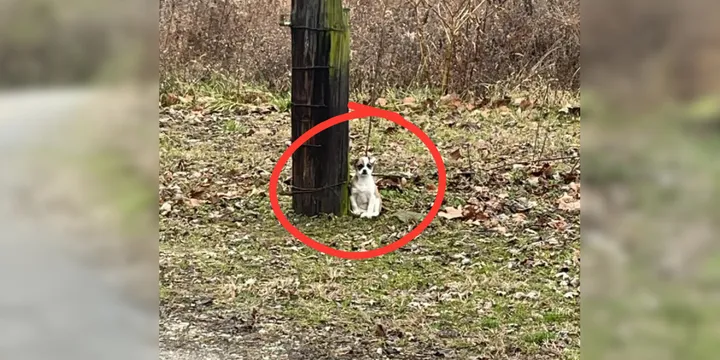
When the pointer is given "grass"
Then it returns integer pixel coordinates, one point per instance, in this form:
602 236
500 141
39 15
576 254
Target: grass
504 285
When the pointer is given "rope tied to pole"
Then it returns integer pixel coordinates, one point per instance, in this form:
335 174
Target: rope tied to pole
367 138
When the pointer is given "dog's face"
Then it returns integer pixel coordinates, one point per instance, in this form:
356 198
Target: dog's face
364 165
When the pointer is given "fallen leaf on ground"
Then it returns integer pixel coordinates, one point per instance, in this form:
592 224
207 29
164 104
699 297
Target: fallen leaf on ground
503 110
500 230
501 103
170 99
559 224
519 218
522 103
449 98
380 331
568 203
545 170
526 104
381 102
456 155
451 213
575 187
391 183
570 176
474 212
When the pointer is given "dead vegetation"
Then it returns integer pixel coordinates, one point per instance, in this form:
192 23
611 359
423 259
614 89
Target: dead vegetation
459 45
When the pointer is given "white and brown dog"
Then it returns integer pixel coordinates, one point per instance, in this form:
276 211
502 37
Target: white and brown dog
364 195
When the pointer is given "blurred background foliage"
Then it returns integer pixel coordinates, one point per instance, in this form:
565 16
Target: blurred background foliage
650 139
72 42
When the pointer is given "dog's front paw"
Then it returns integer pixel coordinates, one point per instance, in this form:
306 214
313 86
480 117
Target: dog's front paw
368 215
357 212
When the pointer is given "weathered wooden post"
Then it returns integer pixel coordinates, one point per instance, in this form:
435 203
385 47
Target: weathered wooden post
320 90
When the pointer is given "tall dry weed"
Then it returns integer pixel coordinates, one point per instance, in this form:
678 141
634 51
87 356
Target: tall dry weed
457 45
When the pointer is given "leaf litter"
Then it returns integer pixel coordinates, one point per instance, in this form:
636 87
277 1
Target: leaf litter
480 281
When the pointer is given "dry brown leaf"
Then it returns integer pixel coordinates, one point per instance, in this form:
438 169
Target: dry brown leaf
451 213
380 331
449 98
381 102
569 176
171 99
519 218
456 155
575 187
569 203
500 103
559 224
544 171
474 212
494 204
391 183
525 104
408 100
197 193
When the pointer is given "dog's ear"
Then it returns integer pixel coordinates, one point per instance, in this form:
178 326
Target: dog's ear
372 160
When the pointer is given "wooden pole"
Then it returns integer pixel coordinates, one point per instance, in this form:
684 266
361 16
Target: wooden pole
320 90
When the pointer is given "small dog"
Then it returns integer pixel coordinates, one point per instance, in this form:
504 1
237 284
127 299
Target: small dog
364 195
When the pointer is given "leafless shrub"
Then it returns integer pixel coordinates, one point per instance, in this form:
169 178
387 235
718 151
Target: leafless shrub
459 45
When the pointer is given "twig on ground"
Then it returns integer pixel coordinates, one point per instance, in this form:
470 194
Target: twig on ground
504 164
